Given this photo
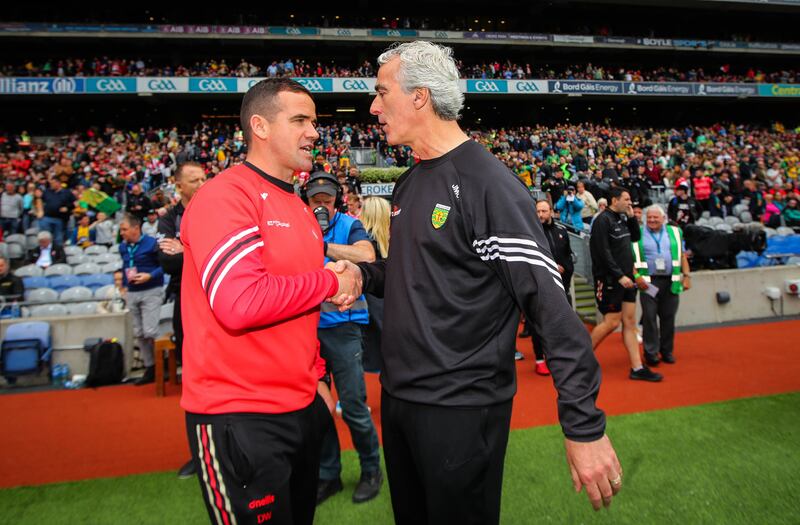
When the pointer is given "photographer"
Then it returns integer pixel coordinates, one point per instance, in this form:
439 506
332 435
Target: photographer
570 208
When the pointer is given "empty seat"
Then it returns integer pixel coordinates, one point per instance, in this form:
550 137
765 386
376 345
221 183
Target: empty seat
104 292
95 249
29 270
73 250
706 215
74 260
31 242
3 249
16 238
770 232
713 221
96 280
48 310
86 268
33 230
110 267
784 230
738 209
58 269
732 220
33 282
43 295
26 348
746 217
701 222
723 227
76 293
60 283
87 308
15 251
101 258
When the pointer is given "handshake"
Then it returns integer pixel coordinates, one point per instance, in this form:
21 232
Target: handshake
351 284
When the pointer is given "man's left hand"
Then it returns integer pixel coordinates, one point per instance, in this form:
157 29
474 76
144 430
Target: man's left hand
594 465
686 282
140 278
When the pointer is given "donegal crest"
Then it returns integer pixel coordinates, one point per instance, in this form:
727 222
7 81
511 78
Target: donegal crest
439 215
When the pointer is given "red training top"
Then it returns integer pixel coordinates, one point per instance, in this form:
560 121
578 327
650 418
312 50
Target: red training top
252 283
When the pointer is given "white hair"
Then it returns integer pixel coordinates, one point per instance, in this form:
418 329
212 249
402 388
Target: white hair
44 234
655 207
427 65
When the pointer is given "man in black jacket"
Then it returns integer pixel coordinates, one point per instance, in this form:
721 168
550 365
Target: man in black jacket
11 286
467 253
189 177
613 231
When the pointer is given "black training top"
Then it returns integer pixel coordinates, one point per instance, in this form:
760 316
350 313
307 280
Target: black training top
610 245
467 252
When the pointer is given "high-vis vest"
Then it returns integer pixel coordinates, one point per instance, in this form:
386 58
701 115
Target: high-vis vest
675 250
338 233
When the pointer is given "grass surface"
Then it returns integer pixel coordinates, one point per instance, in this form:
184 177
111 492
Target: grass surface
735 462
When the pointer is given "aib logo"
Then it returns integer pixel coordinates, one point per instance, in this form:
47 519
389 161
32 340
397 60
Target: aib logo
110 85
486 86
161 85
355 85
212 85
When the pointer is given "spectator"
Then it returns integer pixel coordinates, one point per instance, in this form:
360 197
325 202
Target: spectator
150 226
28 210
683 209
11 286
83 235
47 253
341 348
570 208
138 203
116 297
662 274
354 205
612 268
589 203
143 277
11 209
772 211
105 231
58 202
791 212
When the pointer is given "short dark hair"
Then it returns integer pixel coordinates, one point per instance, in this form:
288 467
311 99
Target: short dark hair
549 204
260 100
132 220
616 192
183 166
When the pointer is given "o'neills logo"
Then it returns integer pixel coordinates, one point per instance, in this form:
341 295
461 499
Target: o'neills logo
269 499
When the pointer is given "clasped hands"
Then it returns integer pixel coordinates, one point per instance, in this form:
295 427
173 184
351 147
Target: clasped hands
351 284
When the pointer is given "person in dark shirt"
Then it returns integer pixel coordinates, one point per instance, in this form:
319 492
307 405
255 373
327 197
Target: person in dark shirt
613 231
682 208
58 203
11 286
138 203
467 252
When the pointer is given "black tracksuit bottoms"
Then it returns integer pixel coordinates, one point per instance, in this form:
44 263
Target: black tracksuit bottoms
444 464
259 468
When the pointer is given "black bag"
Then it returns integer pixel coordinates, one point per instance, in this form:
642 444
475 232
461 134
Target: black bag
106 364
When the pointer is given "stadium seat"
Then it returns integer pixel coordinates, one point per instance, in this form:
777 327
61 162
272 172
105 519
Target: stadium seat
33 282
49 310
73 250
702 222
165 319
29 270
74 260
713 221
738 209
96 280
26 348
723 227
31 242
95 249
42 295
87 308
16 251
104 292
110 267
3 249
58 269
59 283
783 230
706 215
76 293
746 217
770 232
732 220
16 238
32 231
102 258
793 260
86 268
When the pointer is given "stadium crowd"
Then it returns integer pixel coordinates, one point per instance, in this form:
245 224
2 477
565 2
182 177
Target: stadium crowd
508 69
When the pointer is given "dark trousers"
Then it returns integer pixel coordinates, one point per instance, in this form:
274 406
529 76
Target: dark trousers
658 319
260 468
444 464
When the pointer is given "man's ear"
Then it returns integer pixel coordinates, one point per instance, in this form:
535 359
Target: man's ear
421 97
259 126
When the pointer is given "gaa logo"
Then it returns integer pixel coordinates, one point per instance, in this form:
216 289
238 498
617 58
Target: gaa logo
253 82
111 85
311 84
527 87
440 34
63 85
161 85
212 85
485 86
355 85
343 32
393 32
293 31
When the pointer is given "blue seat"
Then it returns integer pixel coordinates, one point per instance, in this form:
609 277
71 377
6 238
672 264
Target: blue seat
96 280
26 348
60 283
35 282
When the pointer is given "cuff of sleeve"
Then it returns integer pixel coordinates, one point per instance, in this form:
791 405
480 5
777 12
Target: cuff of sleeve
333 287
585 438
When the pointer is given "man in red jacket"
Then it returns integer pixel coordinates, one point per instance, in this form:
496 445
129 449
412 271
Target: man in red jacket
252 283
